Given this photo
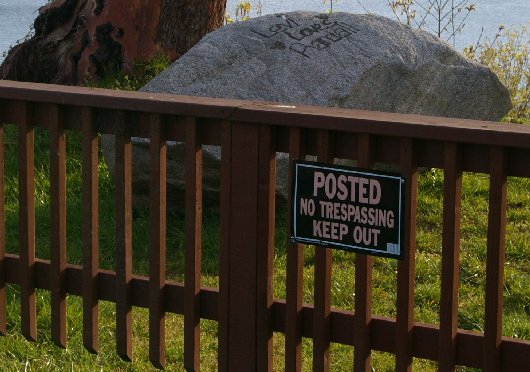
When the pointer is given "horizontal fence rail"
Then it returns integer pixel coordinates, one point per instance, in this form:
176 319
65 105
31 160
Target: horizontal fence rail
249 135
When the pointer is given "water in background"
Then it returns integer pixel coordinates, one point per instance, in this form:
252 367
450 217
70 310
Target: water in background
489 14
17 16
16 20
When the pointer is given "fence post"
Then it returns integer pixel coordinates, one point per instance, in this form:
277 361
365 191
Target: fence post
247 241
406 267
495 260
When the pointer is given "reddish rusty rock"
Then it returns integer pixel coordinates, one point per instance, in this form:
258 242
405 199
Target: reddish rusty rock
78 39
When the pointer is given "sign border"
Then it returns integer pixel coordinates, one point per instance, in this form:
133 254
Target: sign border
335 245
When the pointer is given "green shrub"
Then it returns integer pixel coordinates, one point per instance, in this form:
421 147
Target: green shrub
134 79
508 56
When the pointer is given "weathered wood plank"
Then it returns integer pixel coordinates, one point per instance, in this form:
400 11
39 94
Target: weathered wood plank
495 261
265 247
322 289
224 249
450 257
123 179
363 282
193 246
406 267
58 225
157 242
26 182
295 278
90 232
3 303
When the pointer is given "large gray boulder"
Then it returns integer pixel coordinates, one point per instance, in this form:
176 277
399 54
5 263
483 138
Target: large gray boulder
339 60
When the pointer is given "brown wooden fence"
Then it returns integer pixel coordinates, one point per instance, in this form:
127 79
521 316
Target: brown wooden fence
250 134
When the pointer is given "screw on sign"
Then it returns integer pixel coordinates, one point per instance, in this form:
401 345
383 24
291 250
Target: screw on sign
347 208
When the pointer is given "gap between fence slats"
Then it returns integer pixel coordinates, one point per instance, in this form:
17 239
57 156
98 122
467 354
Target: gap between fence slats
406 267
90 232
26 138
3 310
265 247
123 179
295 271
363 281
193 244
322 285
450 256
58 225
224 252
157 242
495 260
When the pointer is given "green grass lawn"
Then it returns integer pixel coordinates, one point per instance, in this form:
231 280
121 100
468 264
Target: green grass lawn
18 354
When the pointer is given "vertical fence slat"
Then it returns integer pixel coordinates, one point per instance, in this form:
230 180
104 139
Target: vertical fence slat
322 296
495 260
26 138
58 226
224 252
3 309
90 232
406 267
157 235
193 241
123 178
450 257
242 348
265 247
363 283
295 274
